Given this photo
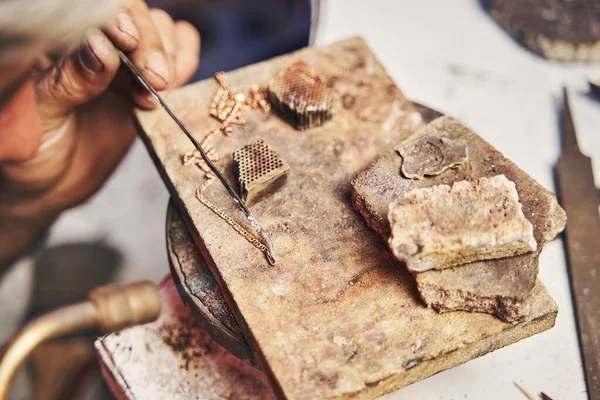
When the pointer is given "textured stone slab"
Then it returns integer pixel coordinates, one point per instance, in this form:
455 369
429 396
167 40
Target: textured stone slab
445 226
500 287
198 287
174 359
564 30
336 317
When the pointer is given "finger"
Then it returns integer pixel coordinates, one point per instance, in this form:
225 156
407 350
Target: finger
149 56
187 55
20 131
166 30
123 32
165 26
76 79
143 98
127 86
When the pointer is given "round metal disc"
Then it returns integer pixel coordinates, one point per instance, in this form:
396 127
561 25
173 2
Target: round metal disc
199 290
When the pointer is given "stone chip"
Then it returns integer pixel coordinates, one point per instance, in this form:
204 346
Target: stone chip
430 155
444 226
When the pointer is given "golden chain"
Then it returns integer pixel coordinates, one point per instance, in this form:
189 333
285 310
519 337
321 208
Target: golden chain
226 106
237 227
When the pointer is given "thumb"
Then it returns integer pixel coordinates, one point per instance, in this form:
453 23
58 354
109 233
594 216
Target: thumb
76 79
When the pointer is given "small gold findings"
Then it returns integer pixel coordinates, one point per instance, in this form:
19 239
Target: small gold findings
301 97
260 171
227 105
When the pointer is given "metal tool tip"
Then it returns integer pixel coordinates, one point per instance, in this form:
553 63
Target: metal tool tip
266 239
565 92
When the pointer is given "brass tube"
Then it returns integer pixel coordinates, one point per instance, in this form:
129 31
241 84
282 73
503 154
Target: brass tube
57 323
109 308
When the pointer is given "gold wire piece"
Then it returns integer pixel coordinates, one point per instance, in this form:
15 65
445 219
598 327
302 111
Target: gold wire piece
523 391
227 106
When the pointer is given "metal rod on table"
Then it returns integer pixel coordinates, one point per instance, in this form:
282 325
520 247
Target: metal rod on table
578 196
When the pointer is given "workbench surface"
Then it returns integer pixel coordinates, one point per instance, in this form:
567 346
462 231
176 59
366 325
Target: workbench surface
453 57
337 316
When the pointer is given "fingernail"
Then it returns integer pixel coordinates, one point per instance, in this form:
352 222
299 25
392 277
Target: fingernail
89 58
150 97
126 25
146 95
156 63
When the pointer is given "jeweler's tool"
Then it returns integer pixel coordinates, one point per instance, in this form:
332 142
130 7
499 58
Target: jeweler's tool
578 196
251 218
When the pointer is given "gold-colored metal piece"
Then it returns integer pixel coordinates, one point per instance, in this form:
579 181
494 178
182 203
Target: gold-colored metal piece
301 96
227 106
57 323
108 309
260 171
237 227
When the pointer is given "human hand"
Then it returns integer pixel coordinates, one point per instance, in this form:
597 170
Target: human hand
85 106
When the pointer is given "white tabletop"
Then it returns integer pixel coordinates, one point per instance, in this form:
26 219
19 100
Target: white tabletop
451 56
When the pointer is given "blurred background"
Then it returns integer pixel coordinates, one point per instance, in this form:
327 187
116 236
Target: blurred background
236 33
448 55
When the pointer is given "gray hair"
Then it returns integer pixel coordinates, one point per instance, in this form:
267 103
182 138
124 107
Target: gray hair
48 25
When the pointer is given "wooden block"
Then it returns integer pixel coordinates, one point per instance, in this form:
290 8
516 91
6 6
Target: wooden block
500 287
335 317
173 358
